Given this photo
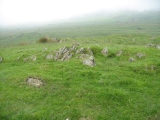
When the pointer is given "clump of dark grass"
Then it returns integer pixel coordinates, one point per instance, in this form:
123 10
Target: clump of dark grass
44 40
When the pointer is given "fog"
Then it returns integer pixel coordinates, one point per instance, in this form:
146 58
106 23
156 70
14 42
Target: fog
21 12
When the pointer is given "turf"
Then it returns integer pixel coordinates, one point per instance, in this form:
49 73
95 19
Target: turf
113 89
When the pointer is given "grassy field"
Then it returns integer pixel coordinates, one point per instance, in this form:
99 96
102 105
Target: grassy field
113 89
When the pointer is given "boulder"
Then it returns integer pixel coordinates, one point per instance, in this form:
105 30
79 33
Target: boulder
105 51
34 82
90 61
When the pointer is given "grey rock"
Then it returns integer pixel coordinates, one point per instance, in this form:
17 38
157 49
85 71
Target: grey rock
82 56
1 59
50 56
81 50
33 58
90 61
140 55
105 51
158 47
131 59
34 82
151 45
119 53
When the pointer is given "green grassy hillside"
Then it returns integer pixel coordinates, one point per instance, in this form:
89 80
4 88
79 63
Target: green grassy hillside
113 89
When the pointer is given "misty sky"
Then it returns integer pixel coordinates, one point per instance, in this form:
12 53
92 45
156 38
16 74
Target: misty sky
15 12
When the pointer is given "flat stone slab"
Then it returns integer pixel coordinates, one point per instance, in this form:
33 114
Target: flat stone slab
34 82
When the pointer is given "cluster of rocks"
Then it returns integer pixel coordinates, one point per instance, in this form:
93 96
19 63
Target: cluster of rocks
31 58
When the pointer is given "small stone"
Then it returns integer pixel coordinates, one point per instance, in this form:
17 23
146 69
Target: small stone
33 58
105 51
119 53
1 59
34 82
131 59
151 45
50 56
45 49
140 55
158 47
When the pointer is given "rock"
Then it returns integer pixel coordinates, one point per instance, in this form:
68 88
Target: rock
50 56
84 56
62 54
90 61
119 53
131 59
45 49
158 47
81 50
34 82
151 45
1 59
33 58
25 59
66 56
105 51
140 55
90 51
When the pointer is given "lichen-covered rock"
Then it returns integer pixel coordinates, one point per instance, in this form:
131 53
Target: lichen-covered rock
105 51
119 53
34 82
90 61
131 59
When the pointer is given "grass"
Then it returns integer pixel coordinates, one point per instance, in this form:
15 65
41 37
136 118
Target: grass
113 89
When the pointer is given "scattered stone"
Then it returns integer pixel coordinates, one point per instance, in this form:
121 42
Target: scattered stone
158 47
34 82
1 59
90 61
105 51
26 59
90 51
140 55
151 45
45 49
119 53
131 59
33 58
49 57
67 119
